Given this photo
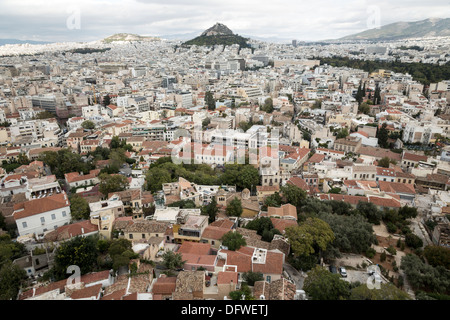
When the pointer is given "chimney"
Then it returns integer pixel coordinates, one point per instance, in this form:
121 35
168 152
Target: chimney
82 230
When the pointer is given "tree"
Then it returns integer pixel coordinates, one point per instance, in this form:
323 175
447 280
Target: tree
387 291
370 211
210 102
233 240
413 241
422 276
342 133
106 100
112 183
437 256
172 260
211 210
353 234
11 278
260 224
155 178
245 292
79 208
383 136
121 253
79 251
364 108
274 200
324 285
10 250
384 162
88 124
407 212
312 236
293 195
268 105
234 208
251 277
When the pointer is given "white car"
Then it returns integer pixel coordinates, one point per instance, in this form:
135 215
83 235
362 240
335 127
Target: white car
343 272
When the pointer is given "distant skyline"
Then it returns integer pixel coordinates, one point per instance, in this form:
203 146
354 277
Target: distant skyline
89 20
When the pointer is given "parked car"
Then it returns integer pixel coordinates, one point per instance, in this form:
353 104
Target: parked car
343 272
332 269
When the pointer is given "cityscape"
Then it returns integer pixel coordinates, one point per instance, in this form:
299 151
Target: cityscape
212 164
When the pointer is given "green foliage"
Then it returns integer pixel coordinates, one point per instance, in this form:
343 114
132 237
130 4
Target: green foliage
10 167
211 210
413 241
391 228
370 253
88 124
233 240
437 256
274 200
267 106
342 133
79 208
309 237
45 115
422 276
121 253
364 108
112 183
183 204
244 291
79 251
172 260
234 208
391 250
384 162
383 136
324 285
425 73
387 291
251 277
210 102
353 234
10 250
383 256
370 211
260 224
11 279
64 161
304 263
293 195
221 39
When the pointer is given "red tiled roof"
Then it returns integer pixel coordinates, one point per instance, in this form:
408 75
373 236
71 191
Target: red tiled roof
37 206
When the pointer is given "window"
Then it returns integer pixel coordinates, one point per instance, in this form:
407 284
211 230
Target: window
143 236
42 220
268 278
64 214
213 242
24 225
53 216
130 236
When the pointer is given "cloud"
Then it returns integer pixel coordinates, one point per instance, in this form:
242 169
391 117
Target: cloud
302 20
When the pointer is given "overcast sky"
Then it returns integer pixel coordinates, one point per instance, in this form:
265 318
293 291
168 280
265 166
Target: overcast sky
88 20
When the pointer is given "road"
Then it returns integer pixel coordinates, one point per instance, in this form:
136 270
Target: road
297 276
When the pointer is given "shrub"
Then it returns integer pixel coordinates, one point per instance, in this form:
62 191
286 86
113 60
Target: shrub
392 250
413 241
370 253
383 256
391 228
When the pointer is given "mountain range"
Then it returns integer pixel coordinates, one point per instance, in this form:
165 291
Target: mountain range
221 34
433 27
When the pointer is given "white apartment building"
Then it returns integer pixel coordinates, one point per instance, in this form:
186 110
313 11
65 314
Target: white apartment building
41 215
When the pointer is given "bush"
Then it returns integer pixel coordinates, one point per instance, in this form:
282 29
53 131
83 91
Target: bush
370 253
383 256
392 250
391 228
413 241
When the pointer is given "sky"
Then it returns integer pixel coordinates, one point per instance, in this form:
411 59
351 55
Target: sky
312 20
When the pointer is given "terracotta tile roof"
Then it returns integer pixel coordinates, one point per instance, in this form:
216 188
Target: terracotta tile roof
223 223
214 233
71 230
147 226
396 187
286 210
37 206
93 291
414 157
116 295
190 281
282 224
273 265
195 248
164 286
226 277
